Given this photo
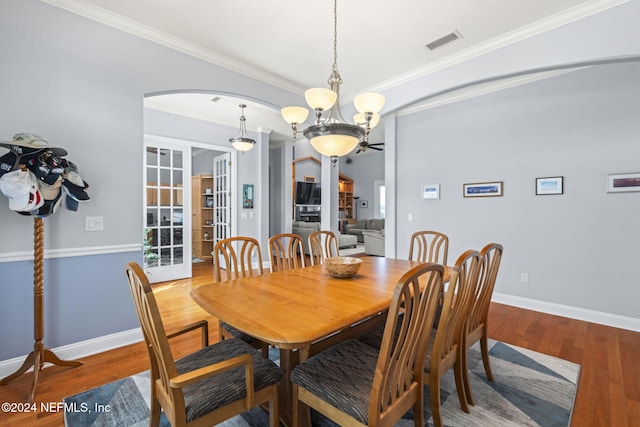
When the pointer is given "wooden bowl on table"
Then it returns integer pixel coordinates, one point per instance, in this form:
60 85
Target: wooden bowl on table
342 267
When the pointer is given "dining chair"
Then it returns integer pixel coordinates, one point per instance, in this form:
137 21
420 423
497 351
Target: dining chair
443 353
322 244
285 252
429 246
234 258
475 328
205 387
355 384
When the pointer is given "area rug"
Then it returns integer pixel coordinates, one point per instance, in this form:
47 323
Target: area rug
359 249
530 389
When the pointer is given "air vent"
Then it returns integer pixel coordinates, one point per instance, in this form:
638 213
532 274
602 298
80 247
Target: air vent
451 37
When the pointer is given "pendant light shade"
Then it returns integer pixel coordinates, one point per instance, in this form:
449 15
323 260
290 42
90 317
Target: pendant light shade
242 142
331 135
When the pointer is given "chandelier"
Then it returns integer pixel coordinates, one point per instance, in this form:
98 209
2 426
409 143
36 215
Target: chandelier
242 142
331 135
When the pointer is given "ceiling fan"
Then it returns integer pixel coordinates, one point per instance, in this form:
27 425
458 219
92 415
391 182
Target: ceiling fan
365 145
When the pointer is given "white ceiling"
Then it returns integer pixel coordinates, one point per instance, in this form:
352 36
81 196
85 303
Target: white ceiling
289 43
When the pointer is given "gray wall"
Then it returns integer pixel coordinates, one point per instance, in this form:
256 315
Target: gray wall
578 248
364 169
81 85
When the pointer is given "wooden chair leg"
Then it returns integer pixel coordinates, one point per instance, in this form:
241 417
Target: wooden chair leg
465 376
434 395
265 350
418 410
156 410
274 415
295 407
484 348
458 374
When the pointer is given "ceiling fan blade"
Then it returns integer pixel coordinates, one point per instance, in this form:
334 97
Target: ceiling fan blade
377 148
377 143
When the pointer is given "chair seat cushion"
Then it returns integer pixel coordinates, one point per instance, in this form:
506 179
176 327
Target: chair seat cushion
237 333
212 393
342 376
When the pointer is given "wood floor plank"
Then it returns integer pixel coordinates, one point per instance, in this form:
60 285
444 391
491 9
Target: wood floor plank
608 391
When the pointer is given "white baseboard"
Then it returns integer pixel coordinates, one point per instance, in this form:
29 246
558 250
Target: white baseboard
586 315
80 349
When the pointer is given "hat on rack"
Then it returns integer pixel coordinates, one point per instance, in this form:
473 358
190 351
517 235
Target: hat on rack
27 143
49 207
21 187
50 191
76 186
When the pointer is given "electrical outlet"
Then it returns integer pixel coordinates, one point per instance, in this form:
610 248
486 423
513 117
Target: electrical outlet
524 278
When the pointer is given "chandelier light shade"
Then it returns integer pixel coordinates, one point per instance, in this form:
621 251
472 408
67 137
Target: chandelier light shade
331 135
242 142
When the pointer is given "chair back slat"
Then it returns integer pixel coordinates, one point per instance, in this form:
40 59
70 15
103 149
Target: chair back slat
405 339
429 246
285 252
235 257
322 244
491 255
455 307
162 365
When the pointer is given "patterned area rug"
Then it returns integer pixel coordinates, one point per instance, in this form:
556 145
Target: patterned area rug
530 389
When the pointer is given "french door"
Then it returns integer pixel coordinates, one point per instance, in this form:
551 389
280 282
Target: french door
167 224
222 197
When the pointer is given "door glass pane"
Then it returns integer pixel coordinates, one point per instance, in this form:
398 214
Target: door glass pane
165 157
152 156
177 159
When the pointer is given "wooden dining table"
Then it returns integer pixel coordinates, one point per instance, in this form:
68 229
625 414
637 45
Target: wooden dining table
305 310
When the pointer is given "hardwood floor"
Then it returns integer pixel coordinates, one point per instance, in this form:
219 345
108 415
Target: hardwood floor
608 390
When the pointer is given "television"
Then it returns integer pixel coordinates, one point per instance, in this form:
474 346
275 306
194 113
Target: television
307 193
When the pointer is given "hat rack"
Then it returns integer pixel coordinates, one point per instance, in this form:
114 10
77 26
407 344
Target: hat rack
40 354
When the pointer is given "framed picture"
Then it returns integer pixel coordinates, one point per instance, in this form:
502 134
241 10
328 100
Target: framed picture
247 196
482 189
550 185
431 191
623 182
308 178
363 204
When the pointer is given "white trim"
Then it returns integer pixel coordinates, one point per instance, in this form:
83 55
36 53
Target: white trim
114 20
71 252
80 349
580 11
130 26
578 313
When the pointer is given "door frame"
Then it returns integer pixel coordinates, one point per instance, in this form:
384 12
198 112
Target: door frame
187 210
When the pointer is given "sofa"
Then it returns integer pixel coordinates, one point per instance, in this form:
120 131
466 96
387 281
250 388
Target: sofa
304 230
373 242
362 225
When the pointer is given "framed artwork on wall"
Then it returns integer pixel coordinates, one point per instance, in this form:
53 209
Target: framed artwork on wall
431 191
550 185
482 189
247 196
623 182
308 178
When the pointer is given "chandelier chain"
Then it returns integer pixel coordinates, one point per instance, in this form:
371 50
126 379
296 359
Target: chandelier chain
335 35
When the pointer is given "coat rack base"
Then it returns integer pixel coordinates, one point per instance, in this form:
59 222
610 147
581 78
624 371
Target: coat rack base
37 358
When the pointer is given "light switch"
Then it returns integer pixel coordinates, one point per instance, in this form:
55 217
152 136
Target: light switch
243 215
93 223
410 217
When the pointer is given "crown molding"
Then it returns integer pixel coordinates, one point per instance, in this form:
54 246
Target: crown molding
136 28
555 21
133 27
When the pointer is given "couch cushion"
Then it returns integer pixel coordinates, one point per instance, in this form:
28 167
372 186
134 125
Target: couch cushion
303 224
361 223
375 224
